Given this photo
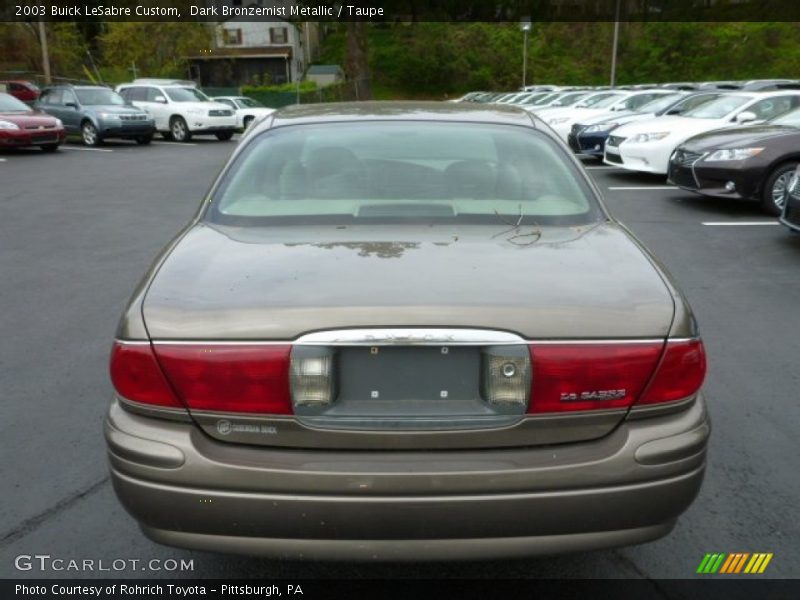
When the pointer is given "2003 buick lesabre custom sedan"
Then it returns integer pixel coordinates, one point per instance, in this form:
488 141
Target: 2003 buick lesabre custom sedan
406 331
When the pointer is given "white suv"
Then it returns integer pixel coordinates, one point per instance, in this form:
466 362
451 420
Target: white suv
181 111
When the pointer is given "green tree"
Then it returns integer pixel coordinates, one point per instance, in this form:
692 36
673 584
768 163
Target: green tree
157 49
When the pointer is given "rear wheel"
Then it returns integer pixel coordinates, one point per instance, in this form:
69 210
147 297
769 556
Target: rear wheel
143 140
179 130
49 147
773 196
90 135
224 136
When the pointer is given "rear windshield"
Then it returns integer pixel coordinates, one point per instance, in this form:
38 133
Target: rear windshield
385 171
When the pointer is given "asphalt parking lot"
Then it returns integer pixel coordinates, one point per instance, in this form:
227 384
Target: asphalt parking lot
79 227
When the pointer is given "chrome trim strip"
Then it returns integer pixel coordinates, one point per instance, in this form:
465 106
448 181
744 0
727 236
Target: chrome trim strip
410 337
694 172
153 410
222 343
594 342
132 342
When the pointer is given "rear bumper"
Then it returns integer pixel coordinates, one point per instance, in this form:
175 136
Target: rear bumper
190 491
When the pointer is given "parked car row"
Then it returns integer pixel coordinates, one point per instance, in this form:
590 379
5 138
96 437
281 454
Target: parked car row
737 140
135 111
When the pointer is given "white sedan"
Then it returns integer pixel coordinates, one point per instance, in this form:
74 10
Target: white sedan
604 103
647 145
246 109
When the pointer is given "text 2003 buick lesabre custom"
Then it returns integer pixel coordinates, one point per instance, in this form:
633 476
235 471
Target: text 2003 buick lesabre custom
406 331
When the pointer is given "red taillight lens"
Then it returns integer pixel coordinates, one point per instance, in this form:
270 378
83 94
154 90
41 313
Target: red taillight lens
229 377
137 377
680 374
575 377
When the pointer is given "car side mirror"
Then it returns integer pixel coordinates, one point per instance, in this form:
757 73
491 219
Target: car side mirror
160 99
746 116
71 105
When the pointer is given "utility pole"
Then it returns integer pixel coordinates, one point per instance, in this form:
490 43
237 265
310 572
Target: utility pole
525 25
45 53
614 47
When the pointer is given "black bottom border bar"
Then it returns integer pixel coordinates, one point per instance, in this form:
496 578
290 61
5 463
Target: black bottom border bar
732 587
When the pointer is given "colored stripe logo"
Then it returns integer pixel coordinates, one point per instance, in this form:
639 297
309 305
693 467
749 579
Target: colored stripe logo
735 563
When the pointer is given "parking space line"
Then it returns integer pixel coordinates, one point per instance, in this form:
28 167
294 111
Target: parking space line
173 143
738 223
2 160
603 167
63 147
638 188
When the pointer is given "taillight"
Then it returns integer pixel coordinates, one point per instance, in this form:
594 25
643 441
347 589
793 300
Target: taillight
246 378
680 374
137 377
578 377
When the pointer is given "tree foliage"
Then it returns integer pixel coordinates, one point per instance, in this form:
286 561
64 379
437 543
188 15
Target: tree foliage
20 47
156 49
437 58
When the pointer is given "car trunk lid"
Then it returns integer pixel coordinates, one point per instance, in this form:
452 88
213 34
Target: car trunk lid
447 297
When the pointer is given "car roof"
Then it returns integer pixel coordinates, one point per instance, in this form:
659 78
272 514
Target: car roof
399 111
76 87
184 86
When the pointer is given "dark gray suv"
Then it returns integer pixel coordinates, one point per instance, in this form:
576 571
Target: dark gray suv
96 113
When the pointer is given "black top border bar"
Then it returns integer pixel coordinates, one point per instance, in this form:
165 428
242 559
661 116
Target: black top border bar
400 10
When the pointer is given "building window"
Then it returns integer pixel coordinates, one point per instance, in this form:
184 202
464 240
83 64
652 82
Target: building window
278 35
232 37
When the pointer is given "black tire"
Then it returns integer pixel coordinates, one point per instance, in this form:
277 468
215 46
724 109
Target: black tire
224 136
49 147
247 121
773 195
143 140
179 130
166 135
90 135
